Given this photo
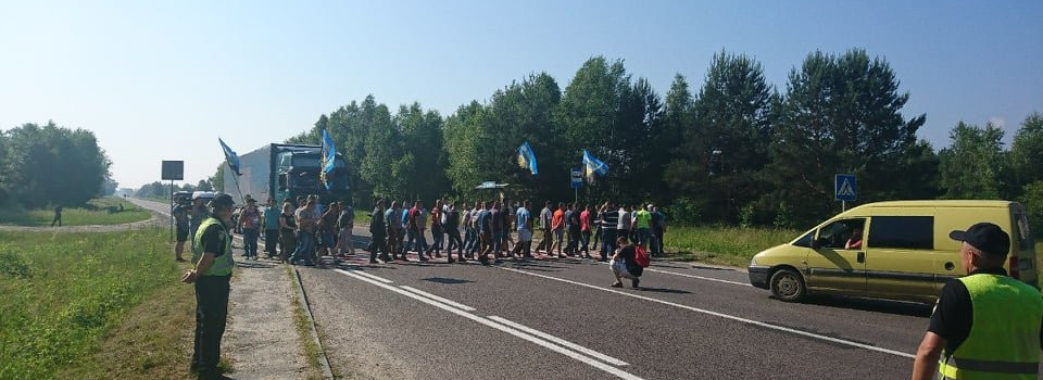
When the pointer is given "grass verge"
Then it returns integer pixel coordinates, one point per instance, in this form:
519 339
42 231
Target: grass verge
92 305
732 246
302 322
101 211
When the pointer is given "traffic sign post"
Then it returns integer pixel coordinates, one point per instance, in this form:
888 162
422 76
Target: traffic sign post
577 182
172 170
845 189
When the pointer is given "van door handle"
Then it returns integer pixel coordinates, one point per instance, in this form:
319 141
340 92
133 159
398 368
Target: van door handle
861 257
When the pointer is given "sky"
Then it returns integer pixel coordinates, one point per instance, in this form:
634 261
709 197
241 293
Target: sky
163 80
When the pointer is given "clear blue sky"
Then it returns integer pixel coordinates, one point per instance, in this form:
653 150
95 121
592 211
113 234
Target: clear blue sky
162 80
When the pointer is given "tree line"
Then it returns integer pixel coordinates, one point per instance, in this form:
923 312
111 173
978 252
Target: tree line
49 165
736 150
160 190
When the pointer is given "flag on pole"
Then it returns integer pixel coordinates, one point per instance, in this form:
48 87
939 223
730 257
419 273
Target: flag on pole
329 156
527 158
230 157
593 166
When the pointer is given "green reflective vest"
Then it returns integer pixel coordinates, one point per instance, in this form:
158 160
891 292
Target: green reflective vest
222 264
643 219
1004 339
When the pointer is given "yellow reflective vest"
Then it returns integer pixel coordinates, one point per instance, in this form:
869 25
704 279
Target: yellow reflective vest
222 264
1004 342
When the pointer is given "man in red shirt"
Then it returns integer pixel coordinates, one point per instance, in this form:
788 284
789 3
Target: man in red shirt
557 225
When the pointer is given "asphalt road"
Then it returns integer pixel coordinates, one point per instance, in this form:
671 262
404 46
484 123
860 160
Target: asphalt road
558 319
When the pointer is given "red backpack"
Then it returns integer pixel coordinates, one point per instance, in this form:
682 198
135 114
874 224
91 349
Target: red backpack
641 256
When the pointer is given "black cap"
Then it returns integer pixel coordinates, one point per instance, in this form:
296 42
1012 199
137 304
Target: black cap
222 199
986 237
250 199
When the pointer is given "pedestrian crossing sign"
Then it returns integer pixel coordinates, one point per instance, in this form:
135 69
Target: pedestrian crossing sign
845 187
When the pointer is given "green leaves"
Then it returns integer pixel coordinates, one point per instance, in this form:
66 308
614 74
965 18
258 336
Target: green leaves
50 165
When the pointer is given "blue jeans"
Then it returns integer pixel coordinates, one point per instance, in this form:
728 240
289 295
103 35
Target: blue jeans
608 243
250 241
305 248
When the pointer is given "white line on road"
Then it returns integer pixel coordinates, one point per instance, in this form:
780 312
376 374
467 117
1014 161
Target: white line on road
439 299
499 326
381 279
722 315
563 342
693 276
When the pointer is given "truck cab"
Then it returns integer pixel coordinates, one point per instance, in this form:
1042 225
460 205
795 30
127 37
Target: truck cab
297 174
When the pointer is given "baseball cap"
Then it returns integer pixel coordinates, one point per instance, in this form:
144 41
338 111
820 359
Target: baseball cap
250 199
986 237
222 199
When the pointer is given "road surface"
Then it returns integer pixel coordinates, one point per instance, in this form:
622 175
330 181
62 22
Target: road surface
558 319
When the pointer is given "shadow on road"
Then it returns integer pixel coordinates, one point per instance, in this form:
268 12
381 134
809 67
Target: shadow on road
664 290
911 309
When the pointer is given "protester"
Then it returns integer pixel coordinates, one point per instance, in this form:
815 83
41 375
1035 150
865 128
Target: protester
485 232
623 224
270 223
307 225
196 216
584 231
608 237
180 214
497 228
410 234
250 223
658 230
452 229
624 264
287 228
572 229
599 221
345 225
476 241
557 226
642 225
57 216
523 224
393 223
545 227
378 232
328 228
436 230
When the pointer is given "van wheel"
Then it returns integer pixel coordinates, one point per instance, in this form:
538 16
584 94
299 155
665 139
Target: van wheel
787 285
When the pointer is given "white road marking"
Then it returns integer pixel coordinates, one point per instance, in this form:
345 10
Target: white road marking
498 326
381 279
695 276
563 342
439 299
722 315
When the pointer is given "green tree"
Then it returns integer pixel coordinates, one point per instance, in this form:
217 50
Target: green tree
972 167
54 165
840 115
382 146
726 145
1026 151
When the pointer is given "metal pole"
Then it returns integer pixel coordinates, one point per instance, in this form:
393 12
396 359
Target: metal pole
843 206
171 210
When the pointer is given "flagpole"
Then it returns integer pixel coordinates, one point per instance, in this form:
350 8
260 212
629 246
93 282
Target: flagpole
236 179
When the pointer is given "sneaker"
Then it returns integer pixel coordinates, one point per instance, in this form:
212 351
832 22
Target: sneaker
617 284
423 259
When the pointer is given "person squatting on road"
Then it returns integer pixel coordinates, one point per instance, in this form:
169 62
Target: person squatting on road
250 223
624 264
986 325
212 256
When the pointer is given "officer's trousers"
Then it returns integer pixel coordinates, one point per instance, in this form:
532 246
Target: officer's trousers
211 313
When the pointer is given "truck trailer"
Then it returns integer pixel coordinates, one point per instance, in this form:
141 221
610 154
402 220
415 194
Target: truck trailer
286 171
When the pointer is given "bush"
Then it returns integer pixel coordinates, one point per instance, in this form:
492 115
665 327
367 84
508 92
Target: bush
1032 199
685 211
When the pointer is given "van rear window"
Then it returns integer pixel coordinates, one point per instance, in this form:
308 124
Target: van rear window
903 232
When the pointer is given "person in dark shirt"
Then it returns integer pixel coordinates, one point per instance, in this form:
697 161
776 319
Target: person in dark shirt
378 231
1006 302
496 226
452 229
608 235
211 277
624 265
57 216
181 223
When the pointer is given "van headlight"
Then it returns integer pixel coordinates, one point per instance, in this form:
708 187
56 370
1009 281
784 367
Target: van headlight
753 261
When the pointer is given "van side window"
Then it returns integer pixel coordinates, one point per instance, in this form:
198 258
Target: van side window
904 232
805 241
1022 233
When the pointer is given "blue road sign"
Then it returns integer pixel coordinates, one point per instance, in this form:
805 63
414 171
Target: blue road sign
577 178
845 187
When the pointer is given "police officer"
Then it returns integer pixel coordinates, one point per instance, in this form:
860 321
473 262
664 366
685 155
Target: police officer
212 255
986 324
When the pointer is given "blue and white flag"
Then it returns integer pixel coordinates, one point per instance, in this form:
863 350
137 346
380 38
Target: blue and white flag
527 158
329 157
230 157
593 166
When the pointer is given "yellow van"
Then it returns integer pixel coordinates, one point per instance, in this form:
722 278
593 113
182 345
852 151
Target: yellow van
893 250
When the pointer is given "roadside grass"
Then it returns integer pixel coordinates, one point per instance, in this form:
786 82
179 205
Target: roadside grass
733 246
92 305
101 211
301 321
